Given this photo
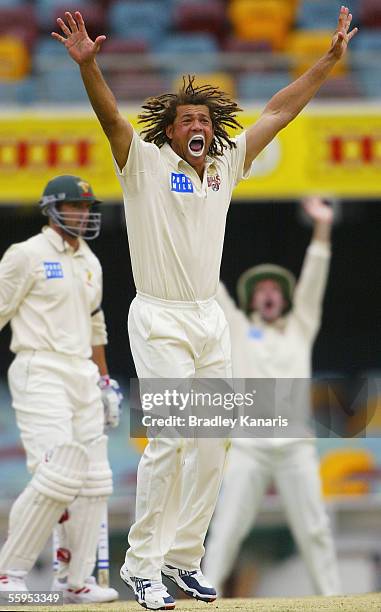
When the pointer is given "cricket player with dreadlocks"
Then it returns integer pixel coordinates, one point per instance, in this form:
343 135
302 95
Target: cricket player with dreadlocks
51 292
177 180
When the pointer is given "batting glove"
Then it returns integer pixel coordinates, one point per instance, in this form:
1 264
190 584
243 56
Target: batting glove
112 399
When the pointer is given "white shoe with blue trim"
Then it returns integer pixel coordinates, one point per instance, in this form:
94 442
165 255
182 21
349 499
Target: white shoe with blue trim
193 583
151 594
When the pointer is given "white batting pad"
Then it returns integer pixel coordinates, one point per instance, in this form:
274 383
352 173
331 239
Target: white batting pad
98 482
41 504
61 476
80 533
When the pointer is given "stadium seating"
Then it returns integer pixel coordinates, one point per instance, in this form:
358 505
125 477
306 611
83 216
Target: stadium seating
369 41
161 39
61 87
321 14
200 17
189 53
369 83
19 21
260 86
340 87
46 12
22 92
147 19
14 59
306 46
266 21
370 13
138 87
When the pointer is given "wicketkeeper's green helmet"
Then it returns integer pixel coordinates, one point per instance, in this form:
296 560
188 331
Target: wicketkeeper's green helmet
247 281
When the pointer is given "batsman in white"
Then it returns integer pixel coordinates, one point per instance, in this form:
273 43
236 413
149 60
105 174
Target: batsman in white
51 292
272 337
177 183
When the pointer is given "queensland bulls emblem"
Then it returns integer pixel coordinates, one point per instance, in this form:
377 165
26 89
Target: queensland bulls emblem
214 181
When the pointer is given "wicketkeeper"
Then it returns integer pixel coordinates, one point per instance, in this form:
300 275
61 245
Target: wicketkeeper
272 337
51 292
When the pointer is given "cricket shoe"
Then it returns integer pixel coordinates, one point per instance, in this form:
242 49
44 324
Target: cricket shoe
193 583
151 594
91 592
13 581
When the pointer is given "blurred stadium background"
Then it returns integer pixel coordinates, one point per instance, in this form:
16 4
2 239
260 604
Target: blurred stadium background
251 48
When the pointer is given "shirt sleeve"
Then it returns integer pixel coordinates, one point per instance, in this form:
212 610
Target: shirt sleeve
236 160
98 323
16 279
236 319
143 159
309 293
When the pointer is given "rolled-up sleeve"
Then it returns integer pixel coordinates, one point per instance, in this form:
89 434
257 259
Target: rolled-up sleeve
16 279
309 293
98 323
98 329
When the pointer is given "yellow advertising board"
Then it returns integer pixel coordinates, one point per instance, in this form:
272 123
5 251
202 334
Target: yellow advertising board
325 151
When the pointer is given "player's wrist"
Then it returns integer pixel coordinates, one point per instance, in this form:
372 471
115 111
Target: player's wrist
104 381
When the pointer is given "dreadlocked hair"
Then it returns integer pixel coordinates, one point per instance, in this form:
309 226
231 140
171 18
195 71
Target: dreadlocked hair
160 111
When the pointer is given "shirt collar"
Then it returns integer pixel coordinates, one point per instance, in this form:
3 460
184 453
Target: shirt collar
176 160
59 243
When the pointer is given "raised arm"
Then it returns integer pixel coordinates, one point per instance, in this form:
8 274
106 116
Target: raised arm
285 105
310 289
83 51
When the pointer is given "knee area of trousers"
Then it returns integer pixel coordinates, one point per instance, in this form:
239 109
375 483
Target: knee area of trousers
98 479
61 474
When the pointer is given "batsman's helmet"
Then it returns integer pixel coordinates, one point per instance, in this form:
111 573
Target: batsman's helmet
68 188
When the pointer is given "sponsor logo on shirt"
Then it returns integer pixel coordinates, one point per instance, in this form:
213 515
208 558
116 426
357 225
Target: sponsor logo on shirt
255 333
214 181
53 269
181 183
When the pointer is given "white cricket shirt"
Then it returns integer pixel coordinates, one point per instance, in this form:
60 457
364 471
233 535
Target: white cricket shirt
283 349
175 221
48 292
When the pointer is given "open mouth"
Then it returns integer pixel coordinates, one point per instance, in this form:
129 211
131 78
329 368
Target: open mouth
196 145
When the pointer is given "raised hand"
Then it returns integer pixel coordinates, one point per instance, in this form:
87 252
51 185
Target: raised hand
76 40
317 210
342 35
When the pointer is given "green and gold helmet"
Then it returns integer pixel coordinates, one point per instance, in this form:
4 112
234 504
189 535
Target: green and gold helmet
68 188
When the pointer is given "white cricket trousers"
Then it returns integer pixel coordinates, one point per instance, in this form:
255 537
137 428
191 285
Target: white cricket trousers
178 479
56 400
294 467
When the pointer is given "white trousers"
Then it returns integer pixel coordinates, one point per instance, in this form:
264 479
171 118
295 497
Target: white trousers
178 479
57 400
294 467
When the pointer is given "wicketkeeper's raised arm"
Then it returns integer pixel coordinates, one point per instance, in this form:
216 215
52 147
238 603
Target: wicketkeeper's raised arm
285 105
83 51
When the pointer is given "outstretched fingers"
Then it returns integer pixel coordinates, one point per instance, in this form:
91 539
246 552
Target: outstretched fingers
98 41
80 22
348 22
63 26
343 16
352 33
72 22
58 37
